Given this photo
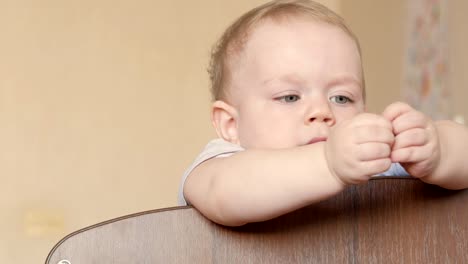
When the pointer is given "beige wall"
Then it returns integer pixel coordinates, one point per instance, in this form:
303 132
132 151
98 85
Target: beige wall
102 106
379 25
458 56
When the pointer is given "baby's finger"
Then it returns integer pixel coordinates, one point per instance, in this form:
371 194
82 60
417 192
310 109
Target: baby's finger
411 138
373 167
411 154
409 120
373 151
366 169
368 134
395 110
367 119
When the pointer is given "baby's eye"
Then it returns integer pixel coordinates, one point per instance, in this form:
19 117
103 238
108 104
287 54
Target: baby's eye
340 99
290 98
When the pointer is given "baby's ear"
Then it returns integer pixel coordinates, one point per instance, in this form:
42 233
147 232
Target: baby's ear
224 119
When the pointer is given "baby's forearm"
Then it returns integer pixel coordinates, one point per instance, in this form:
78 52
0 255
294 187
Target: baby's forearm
257 185
452 172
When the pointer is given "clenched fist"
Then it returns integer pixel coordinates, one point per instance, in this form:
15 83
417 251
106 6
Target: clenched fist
359 148
416 145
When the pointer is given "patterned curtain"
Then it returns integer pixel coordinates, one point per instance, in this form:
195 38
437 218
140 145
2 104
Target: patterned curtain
425 77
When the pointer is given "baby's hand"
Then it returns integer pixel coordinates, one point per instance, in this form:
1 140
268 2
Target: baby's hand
360 148
416 141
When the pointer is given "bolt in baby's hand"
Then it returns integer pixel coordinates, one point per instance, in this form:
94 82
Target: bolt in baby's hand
359 148
416 141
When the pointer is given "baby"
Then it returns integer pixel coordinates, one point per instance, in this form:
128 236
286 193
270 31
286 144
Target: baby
289 111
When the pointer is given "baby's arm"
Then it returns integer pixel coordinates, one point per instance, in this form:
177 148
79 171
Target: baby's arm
452 172
257 185
435 152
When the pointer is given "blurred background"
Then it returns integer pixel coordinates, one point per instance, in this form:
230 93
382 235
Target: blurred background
103 104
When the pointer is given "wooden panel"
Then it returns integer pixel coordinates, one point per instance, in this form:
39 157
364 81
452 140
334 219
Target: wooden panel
175 235
387 220
411 223
318 234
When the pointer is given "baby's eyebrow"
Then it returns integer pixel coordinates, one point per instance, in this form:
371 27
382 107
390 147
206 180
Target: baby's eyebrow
345 79
289 78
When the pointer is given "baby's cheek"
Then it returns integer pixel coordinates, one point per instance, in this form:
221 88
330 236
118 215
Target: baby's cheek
346 115
257 136
280 136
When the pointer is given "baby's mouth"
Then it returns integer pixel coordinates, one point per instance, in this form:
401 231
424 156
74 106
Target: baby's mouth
317 139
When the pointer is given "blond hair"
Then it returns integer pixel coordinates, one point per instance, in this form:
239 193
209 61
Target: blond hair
235 36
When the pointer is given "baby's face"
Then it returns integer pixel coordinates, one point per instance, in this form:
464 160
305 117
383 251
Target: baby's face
294 81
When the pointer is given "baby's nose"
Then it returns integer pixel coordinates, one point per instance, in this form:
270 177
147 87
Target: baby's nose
322 115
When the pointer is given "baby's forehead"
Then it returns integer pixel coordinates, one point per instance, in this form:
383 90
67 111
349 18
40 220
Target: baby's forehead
243 54
240 45
306 36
